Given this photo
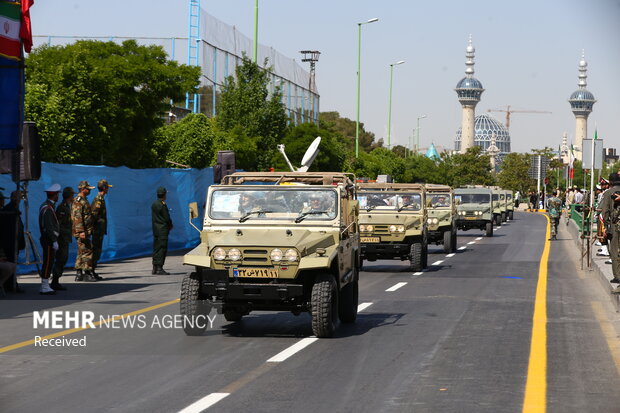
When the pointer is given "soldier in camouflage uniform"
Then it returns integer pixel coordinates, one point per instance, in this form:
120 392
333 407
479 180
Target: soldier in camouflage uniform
82 218
63 213
554 208
100 222
610 208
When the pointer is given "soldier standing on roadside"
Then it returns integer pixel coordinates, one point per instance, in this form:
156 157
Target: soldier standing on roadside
63 213
48 225
82 218
162 224
554 206
100 222
610 208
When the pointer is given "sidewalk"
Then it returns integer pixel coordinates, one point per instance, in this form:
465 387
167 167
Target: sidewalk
601 271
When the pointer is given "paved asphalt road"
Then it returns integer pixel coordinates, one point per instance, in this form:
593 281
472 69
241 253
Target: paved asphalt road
455 338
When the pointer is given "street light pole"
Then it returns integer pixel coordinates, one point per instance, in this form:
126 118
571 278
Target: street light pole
417 145
359 52
400 62
255 31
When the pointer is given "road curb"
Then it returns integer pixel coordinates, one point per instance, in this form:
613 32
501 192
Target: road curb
598 267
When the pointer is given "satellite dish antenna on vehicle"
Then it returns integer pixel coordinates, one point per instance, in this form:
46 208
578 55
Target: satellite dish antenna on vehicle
309 156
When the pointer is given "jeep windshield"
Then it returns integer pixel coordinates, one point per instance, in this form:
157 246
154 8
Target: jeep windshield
275 203
389 201
440 200
474 198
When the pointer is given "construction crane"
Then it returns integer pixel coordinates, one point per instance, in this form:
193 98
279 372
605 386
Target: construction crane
508 111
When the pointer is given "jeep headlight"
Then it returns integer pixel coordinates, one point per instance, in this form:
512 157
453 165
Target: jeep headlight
433 221
291 255
400 228
276 255
392 228
234 254
366 228
219 253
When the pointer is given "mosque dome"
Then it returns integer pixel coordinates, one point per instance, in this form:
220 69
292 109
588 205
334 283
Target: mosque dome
469 83
485 126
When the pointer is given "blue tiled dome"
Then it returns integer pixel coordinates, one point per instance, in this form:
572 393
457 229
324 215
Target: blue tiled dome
581 94
469 83
485 126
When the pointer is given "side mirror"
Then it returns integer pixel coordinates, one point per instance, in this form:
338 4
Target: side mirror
193 213
193 210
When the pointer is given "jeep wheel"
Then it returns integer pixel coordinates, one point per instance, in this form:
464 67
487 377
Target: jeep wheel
190 304
511 215
447 242
415 257
232 315
504 218
348 302
324 306
453 241
489 228
498 220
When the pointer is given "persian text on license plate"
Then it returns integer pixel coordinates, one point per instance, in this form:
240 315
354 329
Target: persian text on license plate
370 239
255 272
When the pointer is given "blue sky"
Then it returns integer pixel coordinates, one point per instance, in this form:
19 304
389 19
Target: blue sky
527 54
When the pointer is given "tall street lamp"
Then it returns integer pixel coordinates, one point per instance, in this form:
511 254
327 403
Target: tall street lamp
400 62
417 145
359 52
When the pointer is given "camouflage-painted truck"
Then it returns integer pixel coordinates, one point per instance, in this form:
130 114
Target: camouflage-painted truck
279 241
475 207
510 204
393 222
497 207
441 216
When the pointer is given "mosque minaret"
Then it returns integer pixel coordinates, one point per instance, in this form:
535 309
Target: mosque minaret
468 90
581 102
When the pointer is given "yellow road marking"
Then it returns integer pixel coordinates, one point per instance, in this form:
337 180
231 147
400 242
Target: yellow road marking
536 386
75 330
611 336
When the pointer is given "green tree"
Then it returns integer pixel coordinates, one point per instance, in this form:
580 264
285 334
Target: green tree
345 127
100 102
514 173
467 168
193 141
246 107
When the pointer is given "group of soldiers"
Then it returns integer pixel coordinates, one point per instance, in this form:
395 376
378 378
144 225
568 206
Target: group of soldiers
75 218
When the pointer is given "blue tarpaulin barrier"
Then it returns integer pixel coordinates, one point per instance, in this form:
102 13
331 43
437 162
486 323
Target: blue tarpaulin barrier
128 205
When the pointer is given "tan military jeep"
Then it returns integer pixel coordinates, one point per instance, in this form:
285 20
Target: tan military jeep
441 216
393 222
281 241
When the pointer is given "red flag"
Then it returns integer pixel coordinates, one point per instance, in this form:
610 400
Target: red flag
25 31
571 173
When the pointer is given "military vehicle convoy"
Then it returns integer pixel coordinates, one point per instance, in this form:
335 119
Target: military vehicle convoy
497 207
277 241
393 222
441 216
475 209
510 204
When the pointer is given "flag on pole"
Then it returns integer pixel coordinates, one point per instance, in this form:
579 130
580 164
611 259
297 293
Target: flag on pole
25 31
571 161
10 22
595 134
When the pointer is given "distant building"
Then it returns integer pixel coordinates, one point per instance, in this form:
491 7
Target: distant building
609 156
581 102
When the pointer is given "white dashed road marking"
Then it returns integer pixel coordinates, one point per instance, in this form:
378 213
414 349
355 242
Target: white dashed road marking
437 262
471 242
462 248
396 287
363 306
478 239
418 273
450 255
204 403
284 354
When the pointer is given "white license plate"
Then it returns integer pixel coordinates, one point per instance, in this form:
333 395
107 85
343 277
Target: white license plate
255 272
370 239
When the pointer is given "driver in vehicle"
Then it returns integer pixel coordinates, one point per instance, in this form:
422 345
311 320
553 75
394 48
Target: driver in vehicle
440 201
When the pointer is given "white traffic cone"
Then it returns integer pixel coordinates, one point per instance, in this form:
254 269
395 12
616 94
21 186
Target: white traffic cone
45 287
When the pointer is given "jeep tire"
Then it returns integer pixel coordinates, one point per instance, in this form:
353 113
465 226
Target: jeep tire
348 302
504 217
511 215
447 242
415 256
190 304
489 228
324 306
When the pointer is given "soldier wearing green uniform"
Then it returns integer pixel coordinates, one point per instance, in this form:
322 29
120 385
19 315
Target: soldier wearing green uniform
63 213
554 208
162 224
82 218
100 222
610 208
